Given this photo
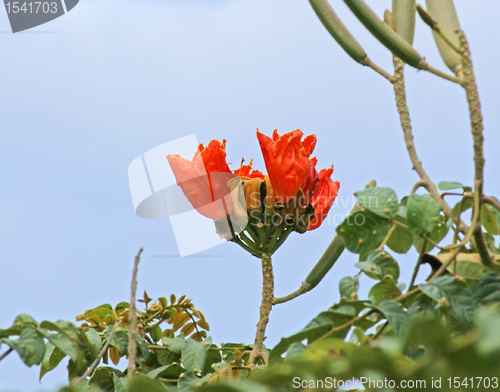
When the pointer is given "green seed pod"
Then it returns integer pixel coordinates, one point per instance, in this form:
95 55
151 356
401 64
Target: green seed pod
427 18
404 18
330 256
326 262
385 34
337 29
445 14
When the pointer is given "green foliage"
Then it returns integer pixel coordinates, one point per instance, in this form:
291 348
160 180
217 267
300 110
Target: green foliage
422 213
379 265
447 320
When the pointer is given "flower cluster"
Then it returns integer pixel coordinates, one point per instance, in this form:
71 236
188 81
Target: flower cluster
293 196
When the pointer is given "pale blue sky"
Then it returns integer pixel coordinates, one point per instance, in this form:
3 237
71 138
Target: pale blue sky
120 77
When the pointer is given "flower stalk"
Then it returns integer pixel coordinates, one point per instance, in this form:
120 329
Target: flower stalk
265 307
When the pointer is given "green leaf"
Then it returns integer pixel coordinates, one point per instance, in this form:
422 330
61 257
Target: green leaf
427 332
241 386
469 270
167 357
52 357
352 308
489 338
24 320
422 309
488 289
436 235
490 218
449 185
363 231
384 290
379 265
12 331
194 354
338 318
120 383
175 344
466 204
30 346
104 378
65 344
214 356
94 340
143 347
156 333
143 383
400 240
169 371
381 201
316 328
395 314
119 339
63 327
349 286
422 213
101 312
306 333
295 351
189 380
447 291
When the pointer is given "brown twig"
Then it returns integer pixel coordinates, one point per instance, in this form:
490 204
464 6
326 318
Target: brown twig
90 370
132 320
6 353
347 324
378 333
417 266
444 75
265 307
366 61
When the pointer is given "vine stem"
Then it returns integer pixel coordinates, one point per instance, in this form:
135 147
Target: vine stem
265 307
132 320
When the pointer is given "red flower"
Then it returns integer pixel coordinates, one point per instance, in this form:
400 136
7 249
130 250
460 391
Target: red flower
311 187
246 171
324 198
287 162
204 179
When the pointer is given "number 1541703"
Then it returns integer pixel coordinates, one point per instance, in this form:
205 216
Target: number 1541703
32 7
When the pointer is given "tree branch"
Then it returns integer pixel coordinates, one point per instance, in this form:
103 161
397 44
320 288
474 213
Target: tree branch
6 353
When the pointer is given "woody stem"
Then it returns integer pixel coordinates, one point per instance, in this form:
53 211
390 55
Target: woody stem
265 307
